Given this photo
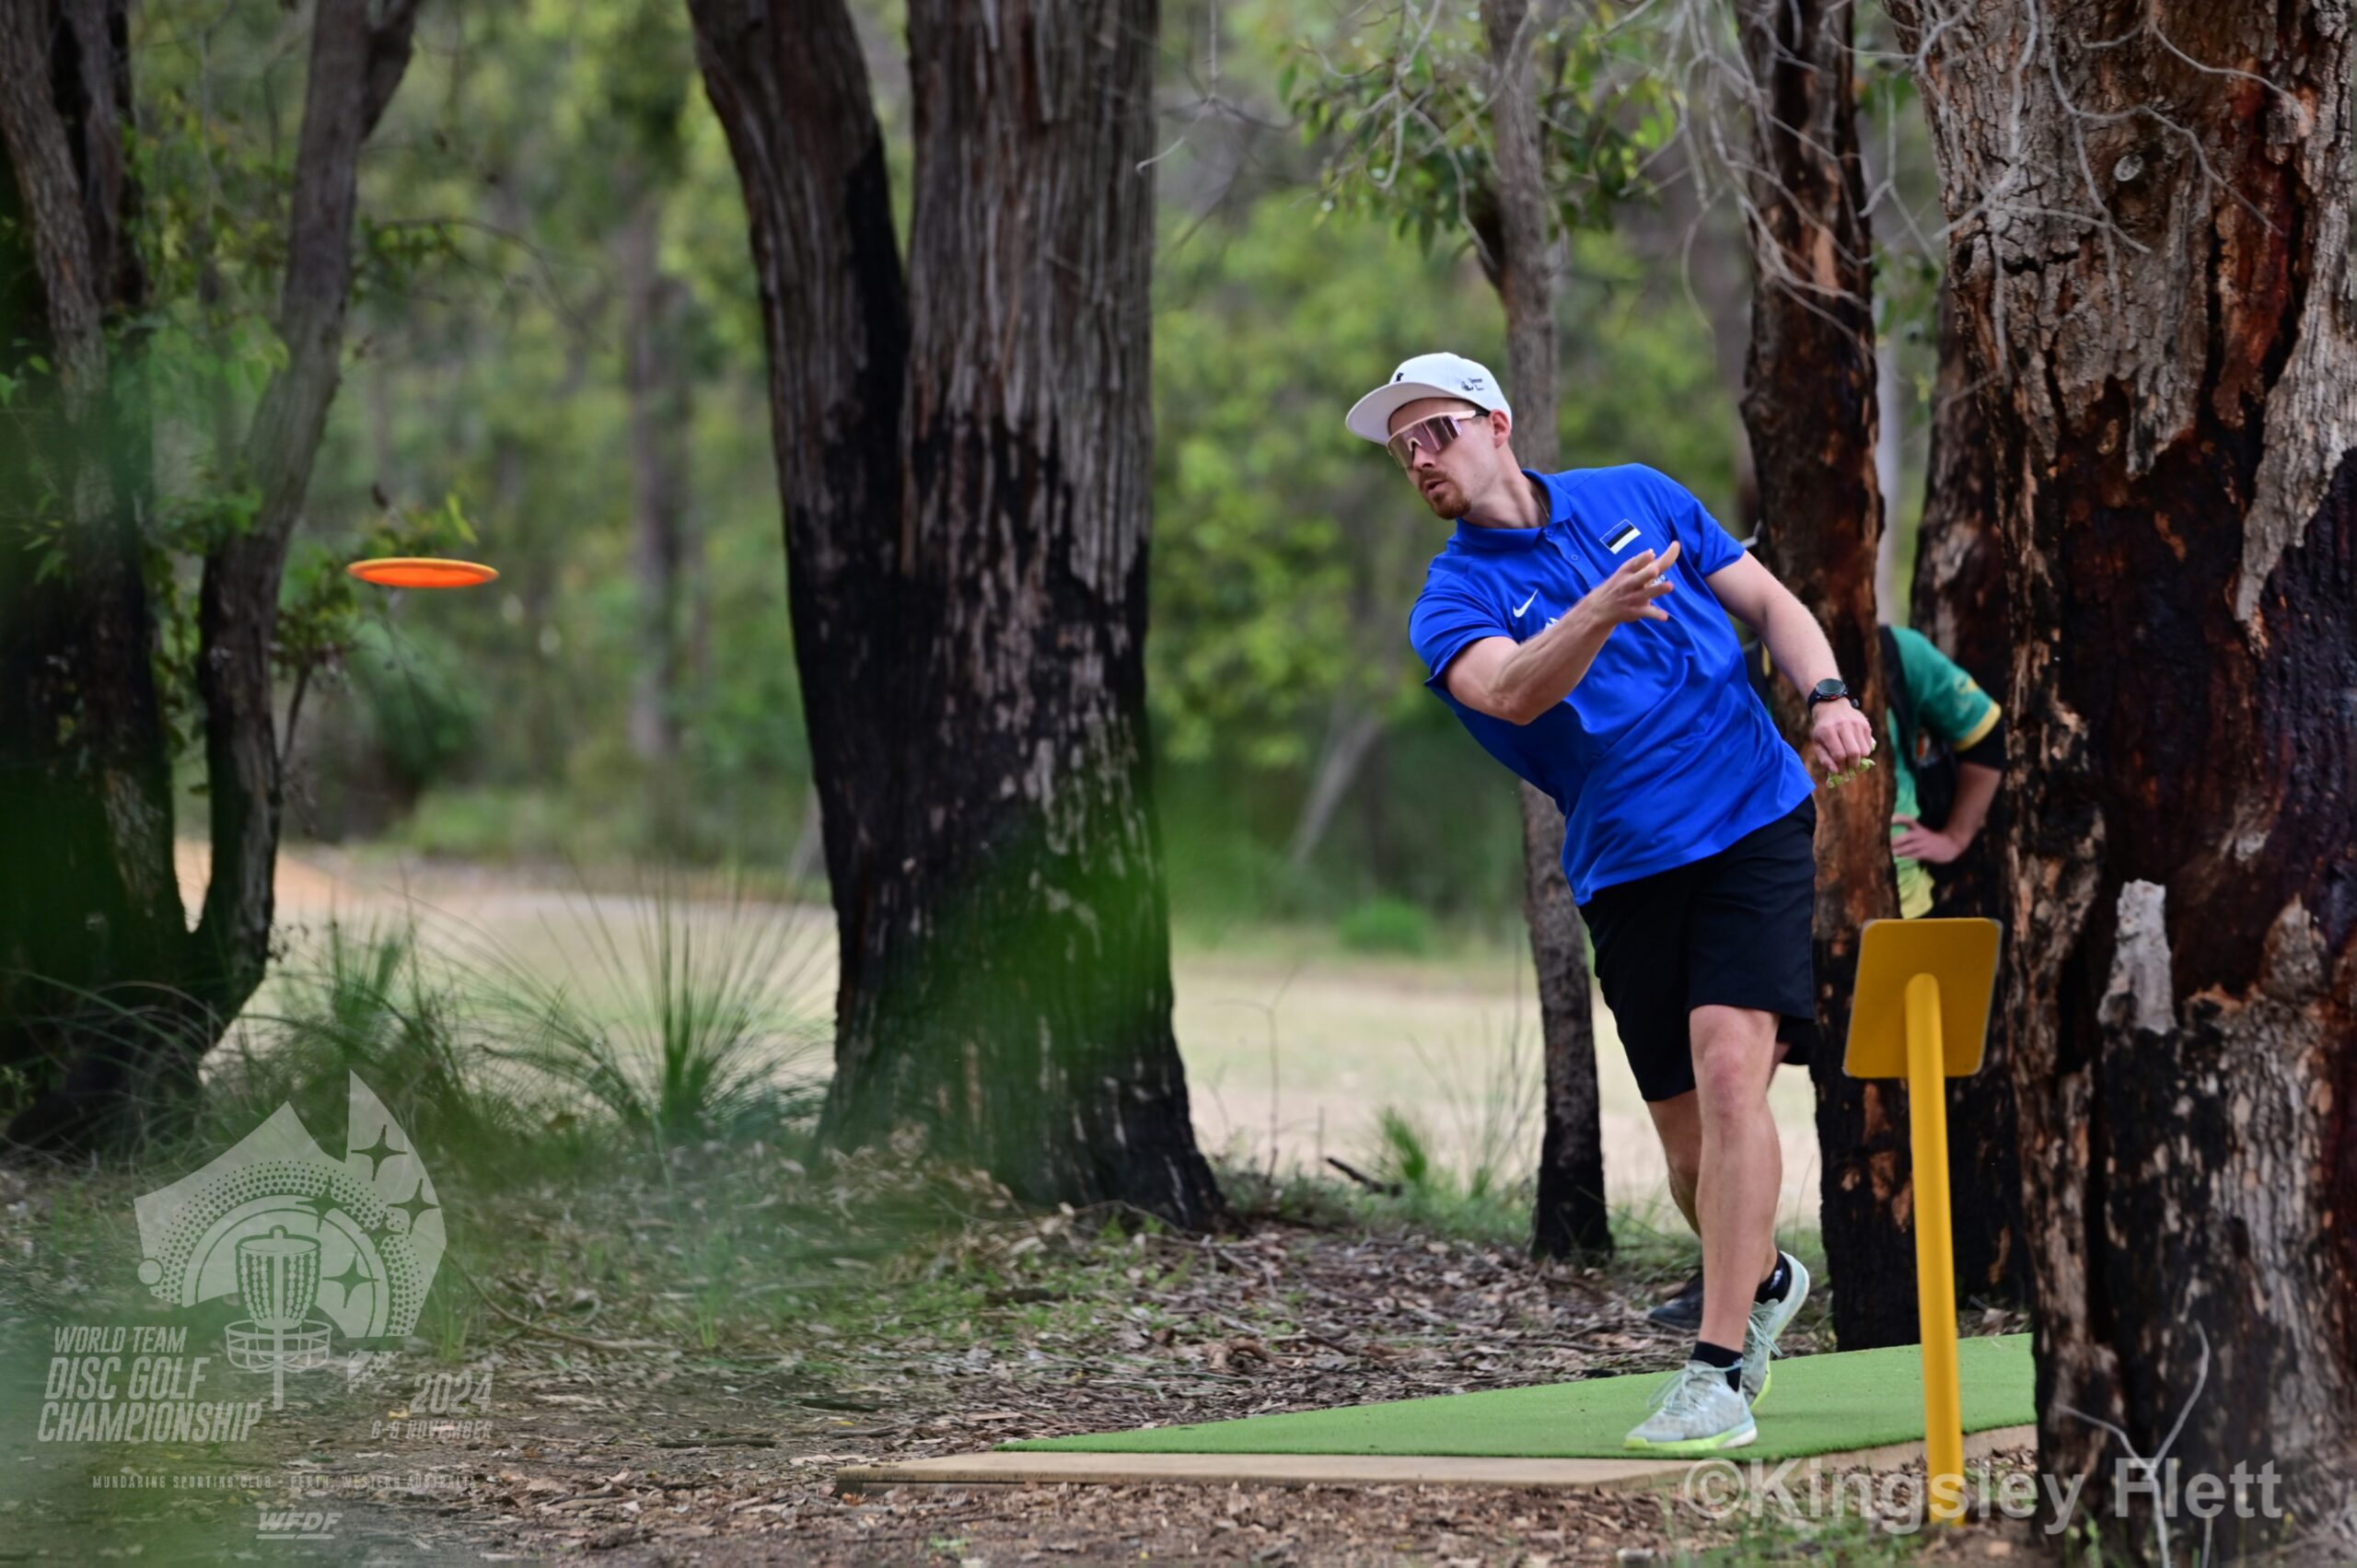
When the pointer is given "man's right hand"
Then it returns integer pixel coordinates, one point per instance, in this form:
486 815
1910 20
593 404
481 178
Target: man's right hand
1628 594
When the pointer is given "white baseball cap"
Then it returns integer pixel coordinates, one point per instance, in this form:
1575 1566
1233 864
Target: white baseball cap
1425 376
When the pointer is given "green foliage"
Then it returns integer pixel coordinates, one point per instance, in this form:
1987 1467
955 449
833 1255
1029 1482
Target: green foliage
1286 550
421 709
491 824
1401 110
209 152
541 132
1386 926
1402 1153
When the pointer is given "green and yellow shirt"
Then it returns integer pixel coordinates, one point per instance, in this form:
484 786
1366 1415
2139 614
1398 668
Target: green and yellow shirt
1951 710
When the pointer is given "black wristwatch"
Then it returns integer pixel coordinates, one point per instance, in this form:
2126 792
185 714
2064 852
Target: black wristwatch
1827 690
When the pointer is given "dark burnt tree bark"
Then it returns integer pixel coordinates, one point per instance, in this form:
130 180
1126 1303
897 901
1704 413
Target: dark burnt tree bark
89 901
1809 403
1516 245
964 465
1958 601
107 994
2150 254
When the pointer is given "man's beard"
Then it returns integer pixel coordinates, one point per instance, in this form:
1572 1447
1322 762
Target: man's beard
1447 499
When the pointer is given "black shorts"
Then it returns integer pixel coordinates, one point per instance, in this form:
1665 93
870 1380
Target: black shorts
1730 930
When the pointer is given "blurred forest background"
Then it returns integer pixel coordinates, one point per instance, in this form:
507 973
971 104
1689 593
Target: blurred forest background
556 339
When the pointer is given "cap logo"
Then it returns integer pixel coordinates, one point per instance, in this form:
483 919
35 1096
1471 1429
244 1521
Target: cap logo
1471 383
1401 377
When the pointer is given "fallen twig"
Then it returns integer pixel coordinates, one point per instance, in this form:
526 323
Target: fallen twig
528 1326
1389 1188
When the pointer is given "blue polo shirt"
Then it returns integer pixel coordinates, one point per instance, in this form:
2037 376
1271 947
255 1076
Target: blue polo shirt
1663 754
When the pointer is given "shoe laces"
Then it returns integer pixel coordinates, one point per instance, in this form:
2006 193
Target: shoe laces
1687 1389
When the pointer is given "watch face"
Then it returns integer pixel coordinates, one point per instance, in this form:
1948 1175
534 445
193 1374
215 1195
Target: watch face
1832 689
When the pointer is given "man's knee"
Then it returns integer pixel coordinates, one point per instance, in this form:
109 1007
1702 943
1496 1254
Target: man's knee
1734 1051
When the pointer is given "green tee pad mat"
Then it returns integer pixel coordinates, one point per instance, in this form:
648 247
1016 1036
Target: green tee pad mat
1814 1404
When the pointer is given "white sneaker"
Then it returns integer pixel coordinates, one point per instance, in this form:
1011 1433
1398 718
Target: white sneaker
1697 1412
1767 1320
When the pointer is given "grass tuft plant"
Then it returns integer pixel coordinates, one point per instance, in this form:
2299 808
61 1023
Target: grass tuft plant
692 1027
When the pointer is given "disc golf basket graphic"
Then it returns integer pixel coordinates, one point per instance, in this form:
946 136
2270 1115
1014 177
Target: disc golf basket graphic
278 1280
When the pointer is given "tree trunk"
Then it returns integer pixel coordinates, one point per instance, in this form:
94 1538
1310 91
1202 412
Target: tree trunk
973 671
1959 603
1704 246
90 907
657 388
794 104
1518 254
155 997
1809 403
1889 429
1351 731
2149 251
359 50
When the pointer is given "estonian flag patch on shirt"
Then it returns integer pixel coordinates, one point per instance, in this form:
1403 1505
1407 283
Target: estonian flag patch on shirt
1620 537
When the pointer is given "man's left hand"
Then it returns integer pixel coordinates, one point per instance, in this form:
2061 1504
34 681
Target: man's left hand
1928 844
1840 734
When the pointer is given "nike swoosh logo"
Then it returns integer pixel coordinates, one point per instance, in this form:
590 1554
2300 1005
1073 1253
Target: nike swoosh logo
1526 603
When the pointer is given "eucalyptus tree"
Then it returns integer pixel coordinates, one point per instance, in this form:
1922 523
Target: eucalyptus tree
2149 249
129 320
964 442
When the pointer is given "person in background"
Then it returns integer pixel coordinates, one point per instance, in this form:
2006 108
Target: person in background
1950 734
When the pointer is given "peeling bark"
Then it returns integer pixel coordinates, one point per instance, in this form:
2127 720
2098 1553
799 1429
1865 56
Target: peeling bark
1958 601
2151 259
1810 406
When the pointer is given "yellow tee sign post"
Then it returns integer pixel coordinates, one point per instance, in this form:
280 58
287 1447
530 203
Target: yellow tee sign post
1921 1012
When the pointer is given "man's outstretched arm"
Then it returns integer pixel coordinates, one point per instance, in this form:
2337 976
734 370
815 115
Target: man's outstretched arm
1518 681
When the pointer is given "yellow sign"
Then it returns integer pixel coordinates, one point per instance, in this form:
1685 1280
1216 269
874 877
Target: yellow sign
1961 955
1921 1012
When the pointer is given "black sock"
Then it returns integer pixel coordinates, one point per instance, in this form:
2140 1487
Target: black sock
1778 1282
1728 1361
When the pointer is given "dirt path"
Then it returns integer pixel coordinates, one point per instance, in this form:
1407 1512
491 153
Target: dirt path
663 1457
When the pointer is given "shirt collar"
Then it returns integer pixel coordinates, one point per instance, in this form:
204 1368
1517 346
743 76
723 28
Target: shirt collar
1473 536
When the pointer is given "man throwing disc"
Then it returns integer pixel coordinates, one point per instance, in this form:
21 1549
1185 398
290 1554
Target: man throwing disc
1577 625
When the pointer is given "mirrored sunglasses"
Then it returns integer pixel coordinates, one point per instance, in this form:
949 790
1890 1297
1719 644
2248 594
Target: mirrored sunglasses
1433 435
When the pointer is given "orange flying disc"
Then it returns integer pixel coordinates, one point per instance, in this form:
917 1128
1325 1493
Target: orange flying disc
421 572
